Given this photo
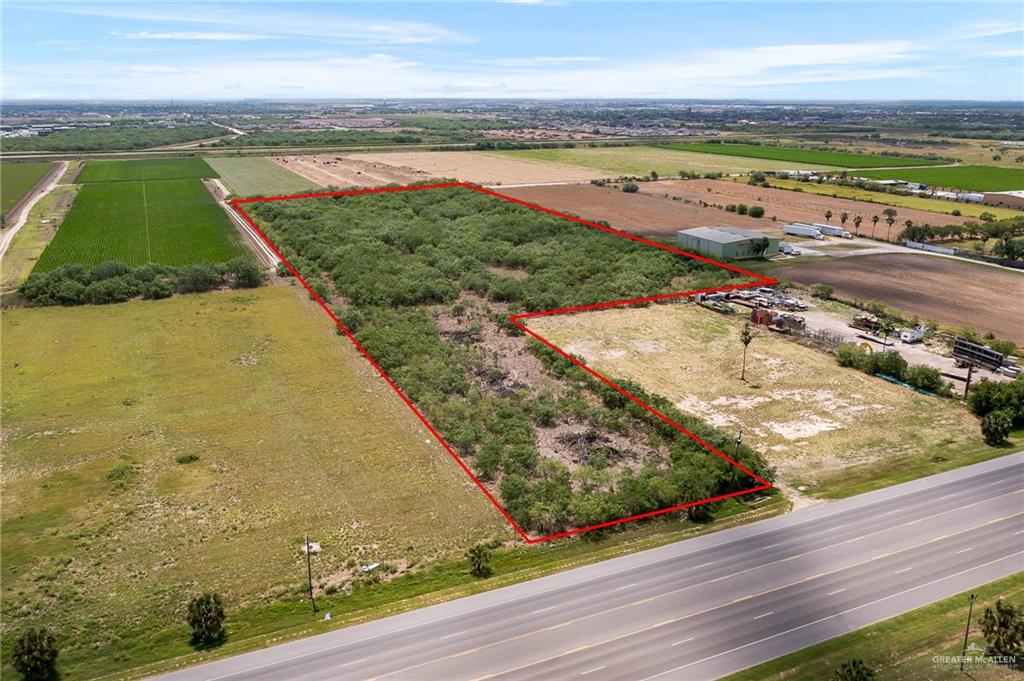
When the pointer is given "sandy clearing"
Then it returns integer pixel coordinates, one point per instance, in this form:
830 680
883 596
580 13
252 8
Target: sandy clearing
346 171
482 168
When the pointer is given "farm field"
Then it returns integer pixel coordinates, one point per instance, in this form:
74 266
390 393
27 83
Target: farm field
974 178
967 210
172 222
790 206
478 167
346 171
31 240
644 213
109 526
16 179
641 160
836 431
149 169
952 292
808 156
258 176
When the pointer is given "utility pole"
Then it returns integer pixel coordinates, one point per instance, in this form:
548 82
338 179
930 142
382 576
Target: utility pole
309 574
967 631
739 439
970 372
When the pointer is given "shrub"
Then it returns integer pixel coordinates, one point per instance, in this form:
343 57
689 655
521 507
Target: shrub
996 426
186 458
741 209
479 558
925 378
854 670
730 208
849 355
197 278
206 618
630 188
823 291
246 273
34 654
756 212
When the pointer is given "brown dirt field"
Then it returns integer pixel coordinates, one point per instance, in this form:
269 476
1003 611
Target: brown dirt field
641 213
789 205
346 171
949 291
482 168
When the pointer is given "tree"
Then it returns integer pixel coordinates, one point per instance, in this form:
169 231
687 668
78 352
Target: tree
909 224
874 223
996 426
828 216
756 212
761 246
856 223
206 617
479 558
854 670
654 175
630 188
746 335
34 654
843 217
1003 627
890 219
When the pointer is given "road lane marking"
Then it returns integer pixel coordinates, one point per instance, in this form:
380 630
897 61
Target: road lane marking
654 626
951 494
765 615
901 571
550 607
837 591
964 550
685 640
833 616
626 586
895 510
457 633
1017 532
591 671
771 545
697 567
349 664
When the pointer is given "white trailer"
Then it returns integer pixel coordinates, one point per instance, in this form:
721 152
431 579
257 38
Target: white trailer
832 230
803 230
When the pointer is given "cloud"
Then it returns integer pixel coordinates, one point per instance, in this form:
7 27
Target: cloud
193 35
541 61
155 70
988 29
1016 53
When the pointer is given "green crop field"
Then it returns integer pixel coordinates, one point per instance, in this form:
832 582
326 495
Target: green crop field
256 176
617 161
16 179
156 449
150 169
810 156
173 222
973 178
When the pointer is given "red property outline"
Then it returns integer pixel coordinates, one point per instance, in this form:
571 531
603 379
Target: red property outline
515 320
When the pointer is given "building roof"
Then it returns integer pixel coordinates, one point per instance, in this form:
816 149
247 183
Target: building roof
1019 193
722 235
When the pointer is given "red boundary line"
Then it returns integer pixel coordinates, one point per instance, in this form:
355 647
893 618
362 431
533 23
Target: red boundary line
515 320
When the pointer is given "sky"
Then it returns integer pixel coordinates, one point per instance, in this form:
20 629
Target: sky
517 49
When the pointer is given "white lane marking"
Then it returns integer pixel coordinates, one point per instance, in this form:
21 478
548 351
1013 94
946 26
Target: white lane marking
837 591
946 496
837 527
1017 532
697 567
451 635
994 482
771 545
829 617
765 615
895 510
550 607
685 640
591 671
627 586
964 550
901 571
349 664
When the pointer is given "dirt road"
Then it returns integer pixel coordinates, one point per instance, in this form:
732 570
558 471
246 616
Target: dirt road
18 214
263 253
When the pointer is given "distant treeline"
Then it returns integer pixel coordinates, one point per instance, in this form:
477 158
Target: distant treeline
113 138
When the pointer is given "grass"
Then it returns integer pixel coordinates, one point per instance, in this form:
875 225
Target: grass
16 179
172 222
257 176
639 160
836 431
31 240
901 648
105 534
974 178
150 169
968 210
809 156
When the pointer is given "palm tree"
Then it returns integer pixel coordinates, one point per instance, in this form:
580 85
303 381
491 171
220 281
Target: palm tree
479 558
843 217
890 219
874 222
856 224
828 216
746 335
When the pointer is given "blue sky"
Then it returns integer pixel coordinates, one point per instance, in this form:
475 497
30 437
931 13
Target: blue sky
808 50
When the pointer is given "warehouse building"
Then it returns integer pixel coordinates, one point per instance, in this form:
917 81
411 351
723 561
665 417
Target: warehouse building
727 243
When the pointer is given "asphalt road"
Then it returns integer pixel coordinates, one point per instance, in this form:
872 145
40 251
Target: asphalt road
697 609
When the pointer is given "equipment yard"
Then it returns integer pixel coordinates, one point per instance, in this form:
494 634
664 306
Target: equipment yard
834 431
949 291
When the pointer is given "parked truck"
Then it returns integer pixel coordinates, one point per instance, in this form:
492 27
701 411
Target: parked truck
832 230
803 230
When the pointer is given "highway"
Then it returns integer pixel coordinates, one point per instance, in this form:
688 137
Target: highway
697 609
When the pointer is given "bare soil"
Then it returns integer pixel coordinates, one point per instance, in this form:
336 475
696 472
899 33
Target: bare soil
641 212
482 168
789 205
347 171
949 291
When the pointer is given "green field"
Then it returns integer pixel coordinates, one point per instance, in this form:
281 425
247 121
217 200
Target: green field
810 156
155 169
617 161
256 176
901 648
106 533
16 179
114 137
172 222
973 178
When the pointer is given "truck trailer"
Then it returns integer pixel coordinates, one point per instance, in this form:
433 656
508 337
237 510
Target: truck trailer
832 230
803 230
